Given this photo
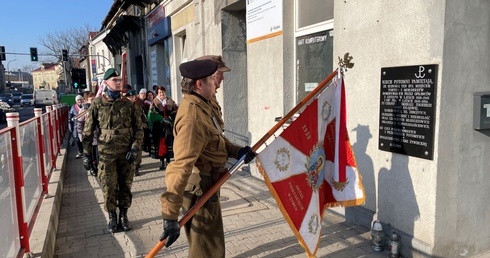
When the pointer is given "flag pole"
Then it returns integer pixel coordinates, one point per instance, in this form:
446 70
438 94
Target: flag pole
190 213
75 118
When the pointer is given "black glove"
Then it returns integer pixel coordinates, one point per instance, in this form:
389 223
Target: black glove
131 155
87 161
171 231
250 155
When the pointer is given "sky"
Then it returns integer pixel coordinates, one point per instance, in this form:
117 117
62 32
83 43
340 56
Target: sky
24 22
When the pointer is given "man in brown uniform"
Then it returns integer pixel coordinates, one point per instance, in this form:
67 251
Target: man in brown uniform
199 143
222 68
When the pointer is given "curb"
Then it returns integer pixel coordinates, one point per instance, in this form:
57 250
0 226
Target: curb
43 235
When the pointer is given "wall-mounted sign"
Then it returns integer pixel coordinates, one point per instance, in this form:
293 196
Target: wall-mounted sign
406 114
161 30
264 19
155 16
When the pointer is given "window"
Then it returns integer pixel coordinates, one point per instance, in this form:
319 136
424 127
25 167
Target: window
182 42
314 11
313 44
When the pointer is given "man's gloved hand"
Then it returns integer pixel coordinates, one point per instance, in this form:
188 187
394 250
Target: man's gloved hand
131 155
87 161
171 231
250 155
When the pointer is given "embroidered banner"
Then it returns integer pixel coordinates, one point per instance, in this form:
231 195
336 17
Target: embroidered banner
311 166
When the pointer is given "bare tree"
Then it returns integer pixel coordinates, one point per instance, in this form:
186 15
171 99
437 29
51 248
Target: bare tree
29 68
71 39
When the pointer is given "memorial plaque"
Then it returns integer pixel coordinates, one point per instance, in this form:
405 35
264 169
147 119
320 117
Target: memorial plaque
406 113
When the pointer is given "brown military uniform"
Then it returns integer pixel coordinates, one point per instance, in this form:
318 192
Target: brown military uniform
120 130
198 142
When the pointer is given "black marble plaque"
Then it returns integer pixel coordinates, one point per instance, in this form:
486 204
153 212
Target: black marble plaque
406 113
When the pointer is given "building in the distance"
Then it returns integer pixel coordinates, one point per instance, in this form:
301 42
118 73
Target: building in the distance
46 76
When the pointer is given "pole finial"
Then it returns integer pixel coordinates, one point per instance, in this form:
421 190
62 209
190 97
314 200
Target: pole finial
346 62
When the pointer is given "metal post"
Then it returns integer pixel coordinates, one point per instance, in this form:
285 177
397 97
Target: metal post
52 137
13 120
41 151
66 80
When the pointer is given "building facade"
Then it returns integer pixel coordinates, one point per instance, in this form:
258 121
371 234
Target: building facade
47 76
430 185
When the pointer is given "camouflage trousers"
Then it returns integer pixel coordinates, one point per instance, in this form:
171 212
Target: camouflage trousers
116 178
137 161
204 230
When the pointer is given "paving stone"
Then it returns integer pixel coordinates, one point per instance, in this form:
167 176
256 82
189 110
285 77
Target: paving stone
254 226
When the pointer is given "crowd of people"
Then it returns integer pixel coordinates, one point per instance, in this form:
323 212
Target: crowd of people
112 130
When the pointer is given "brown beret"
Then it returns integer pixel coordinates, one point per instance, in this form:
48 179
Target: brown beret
197 69
218 60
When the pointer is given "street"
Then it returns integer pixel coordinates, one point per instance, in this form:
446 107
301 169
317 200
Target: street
25 113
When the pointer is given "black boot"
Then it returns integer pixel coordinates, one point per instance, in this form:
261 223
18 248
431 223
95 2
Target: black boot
112 225
162 164
123 219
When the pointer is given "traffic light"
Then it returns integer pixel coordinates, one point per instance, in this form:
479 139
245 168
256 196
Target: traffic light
64 54
34 54
74 78
2 53
78 76
83 78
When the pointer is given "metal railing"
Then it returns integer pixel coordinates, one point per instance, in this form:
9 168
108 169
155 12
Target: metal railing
28 153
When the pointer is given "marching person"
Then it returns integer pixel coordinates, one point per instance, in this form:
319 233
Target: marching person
131 95
197 166
80 125
74 111
121 135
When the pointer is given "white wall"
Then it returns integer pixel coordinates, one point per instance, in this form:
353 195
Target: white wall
438 206
463 211
439 203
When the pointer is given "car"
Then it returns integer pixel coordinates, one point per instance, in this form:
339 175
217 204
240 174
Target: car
7 98
26 100
16 97
44 98
4 108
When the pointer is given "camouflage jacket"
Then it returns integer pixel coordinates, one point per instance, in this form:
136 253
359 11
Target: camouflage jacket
119 122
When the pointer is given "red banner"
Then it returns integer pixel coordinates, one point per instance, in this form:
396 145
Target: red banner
311 166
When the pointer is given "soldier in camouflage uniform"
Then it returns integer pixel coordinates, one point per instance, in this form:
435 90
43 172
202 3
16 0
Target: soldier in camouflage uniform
133 97
201 152
121 135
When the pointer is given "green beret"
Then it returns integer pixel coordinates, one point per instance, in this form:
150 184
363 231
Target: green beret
111 72
198 69
130 93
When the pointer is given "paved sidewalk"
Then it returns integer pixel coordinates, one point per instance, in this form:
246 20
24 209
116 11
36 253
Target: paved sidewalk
254 226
